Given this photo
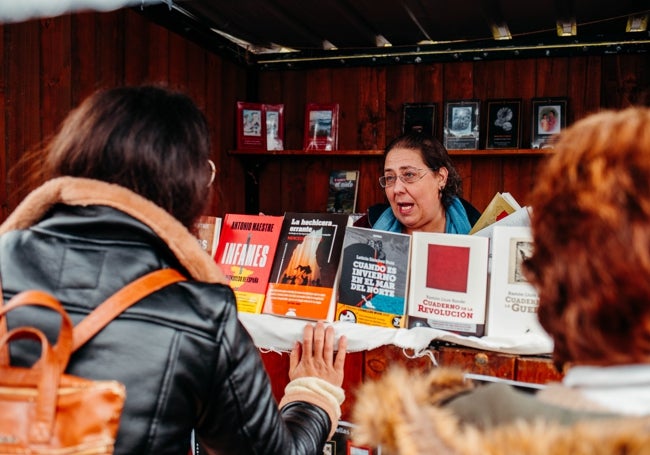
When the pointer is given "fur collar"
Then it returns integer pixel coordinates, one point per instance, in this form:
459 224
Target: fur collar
401 413
84 192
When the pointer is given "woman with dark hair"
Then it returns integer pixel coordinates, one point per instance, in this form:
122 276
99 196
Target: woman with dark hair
591 267
423 189
125 177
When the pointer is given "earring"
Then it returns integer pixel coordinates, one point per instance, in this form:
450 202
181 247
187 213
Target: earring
213 170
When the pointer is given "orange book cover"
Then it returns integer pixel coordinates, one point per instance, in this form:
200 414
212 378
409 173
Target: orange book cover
245 253
304 273
207 230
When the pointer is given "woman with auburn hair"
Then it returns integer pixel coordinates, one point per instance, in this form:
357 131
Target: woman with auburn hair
591 267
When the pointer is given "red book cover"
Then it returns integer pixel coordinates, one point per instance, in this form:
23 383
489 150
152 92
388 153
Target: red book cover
454 260
321 126
251 126
245 253
304 274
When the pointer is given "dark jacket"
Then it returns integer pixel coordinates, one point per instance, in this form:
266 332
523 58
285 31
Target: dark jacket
184 357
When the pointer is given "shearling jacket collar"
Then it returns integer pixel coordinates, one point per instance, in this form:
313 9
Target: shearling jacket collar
404 413
85 192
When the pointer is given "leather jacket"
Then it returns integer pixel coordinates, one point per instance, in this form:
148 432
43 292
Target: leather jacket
186 361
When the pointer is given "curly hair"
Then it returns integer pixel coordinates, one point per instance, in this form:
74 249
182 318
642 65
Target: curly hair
591 234
435 155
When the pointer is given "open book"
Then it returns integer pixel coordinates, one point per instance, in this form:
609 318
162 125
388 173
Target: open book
501 205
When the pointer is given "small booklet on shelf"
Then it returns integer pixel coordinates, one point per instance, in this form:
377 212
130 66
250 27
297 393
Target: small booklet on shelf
304 272
343 190
245 254
373 285
321 126
448 285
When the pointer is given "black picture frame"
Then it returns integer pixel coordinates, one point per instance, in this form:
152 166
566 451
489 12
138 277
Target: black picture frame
503 123
549 117
420 117
462 130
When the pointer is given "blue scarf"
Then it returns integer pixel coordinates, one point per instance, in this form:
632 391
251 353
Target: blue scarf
456 221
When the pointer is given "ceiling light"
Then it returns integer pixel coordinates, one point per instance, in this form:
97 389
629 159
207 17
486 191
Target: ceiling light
638 23
566 27
500 31
329 46
380 41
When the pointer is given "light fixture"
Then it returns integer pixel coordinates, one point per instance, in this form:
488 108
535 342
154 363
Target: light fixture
328 46
380 41
637 23
566 27
500 31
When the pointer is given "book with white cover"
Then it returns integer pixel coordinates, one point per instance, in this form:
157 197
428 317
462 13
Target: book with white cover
512 300
448 284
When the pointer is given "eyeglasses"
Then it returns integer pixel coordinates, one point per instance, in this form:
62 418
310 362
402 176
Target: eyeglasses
213 172
409 175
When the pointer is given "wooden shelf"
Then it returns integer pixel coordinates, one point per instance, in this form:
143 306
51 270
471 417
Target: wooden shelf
482 152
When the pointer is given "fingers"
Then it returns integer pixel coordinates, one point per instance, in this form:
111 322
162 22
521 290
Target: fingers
308 340
296 354
339 362
319 341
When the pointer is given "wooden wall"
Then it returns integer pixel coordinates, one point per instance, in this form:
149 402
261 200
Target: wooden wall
49 66
371 107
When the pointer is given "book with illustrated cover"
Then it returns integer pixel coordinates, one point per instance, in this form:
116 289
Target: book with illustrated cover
245 254
304 272
373 285
321 126
513 301
501 205
448 284
343 189
207 230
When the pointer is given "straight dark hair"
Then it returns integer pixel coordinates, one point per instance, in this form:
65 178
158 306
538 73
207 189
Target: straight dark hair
150 140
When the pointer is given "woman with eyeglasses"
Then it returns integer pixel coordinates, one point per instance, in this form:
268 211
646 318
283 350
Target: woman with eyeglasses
423 189
124 179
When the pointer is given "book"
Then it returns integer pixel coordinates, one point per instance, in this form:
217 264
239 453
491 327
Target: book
321 126
245 254
274 118
342 193
207 230
512 301
251 126
342 444
501 205
373 285
448 285
304 273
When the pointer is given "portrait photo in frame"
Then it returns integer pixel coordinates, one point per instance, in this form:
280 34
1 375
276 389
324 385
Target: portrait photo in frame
461 131
251 126
321 126
420 117
503 125
274 117
549 117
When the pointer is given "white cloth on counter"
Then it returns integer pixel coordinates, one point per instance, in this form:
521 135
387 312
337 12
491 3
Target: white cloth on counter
277 333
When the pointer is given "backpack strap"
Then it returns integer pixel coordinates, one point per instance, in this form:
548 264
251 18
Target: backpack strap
101 316
133 292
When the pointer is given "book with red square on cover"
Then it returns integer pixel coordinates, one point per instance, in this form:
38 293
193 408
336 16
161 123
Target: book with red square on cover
245 253
448 284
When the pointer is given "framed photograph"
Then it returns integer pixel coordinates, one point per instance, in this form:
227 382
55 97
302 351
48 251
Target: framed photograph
251 127
274 118
419 117
503 126
321 126
549 117
462 129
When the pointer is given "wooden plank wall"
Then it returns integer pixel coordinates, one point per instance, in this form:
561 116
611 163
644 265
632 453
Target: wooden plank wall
50 65
371 104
